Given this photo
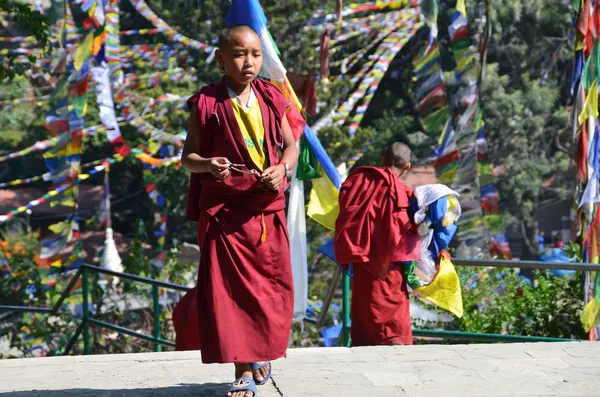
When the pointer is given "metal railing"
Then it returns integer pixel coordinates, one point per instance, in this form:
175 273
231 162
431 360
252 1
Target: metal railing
457 335
87 320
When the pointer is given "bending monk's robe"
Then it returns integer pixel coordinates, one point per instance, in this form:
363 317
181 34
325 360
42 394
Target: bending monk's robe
375 234
244 294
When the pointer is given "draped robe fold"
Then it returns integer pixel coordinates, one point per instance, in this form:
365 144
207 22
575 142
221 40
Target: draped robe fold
374 232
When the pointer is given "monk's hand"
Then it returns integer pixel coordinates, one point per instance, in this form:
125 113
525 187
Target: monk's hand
219 167
272 177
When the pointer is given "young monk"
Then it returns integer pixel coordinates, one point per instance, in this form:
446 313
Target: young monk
374 234
244 295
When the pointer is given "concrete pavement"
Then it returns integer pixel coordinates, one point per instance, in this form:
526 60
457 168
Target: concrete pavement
540 369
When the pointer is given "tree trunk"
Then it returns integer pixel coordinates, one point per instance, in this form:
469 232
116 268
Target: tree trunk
530 232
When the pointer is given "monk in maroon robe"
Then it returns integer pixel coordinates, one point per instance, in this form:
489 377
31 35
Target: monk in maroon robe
374 234
244 294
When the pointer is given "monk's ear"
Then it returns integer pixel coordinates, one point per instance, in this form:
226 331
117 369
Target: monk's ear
219 58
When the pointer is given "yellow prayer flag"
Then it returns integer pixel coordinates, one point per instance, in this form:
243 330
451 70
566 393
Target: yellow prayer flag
58 228
83 51
461 7
445 290
579 41
590 107
68 203
290 95
420 63
590 316
323 206
443 135
57 263
153 147
92 10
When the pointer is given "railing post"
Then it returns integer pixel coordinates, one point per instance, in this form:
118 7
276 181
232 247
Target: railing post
346 310
86 328
156 310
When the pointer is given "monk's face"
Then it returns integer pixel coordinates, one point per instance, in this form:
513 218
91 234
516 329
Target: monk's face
241 56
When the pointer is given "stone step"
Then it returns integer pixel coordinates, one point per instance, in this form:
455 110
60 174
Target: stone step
524 369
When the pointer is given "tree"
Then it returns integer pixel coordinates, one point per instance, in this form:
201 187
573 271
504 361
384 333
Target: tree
37 24
525 95
523 127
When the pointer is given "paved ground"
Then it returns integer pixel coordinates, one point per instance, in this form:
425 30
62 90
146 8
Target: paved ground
544 369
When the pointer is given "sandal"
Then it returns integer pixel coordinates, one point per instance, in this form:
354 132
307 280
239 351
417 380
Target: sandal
259 365
243 384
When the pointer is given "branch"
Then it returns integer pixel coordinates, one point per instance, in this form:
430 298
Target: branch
559 145
526 239
413 111
484 45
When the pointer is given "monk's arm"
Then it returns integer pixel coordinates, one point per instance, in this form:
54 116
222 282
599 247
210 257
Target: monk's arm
273 176
191 159
290 150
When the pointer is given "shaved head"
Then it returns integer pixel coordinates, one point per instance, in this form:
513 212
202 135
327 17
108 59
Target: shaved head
239 55
398 155
227 34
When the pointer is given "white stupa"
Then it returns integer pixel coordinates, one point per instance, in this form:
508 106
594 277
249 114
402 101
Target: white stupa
110 257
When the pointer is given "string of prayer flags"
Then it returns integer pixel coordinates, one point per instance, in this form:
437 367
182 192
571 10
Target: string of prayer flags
37 101
135 32
431 92
39 146
149 80
372 73
142 7
51 194
106 105
112 47
430 12
585 134
461 158
392 46
353 9
47 177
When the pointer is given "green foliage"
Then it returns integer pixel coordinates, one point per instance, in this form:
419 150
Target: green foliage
21 14
17 260
502 302
526 91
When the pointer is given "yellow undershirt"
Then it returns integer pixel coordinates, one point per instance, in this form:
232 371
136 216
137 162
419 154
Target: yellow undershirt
249 119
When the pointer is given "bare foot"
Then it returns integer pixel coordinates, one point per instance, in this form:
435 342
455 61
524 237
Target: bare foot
242 370
260 374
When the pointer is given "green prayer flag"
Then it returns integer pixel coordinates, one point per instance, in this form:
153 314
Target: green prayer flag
435 121
495 222
591 71
307 162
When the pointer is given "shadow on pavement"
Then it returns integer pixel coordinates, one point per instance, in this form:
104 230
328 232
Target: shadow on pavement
183 390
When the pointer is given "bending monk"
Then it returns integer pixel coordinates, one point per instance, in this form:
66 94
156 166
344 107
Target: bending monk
244 294
374 234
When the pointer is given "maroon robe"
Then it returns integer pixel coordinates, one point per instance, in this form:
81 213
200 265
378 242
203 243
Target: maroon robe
374 233
244 294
